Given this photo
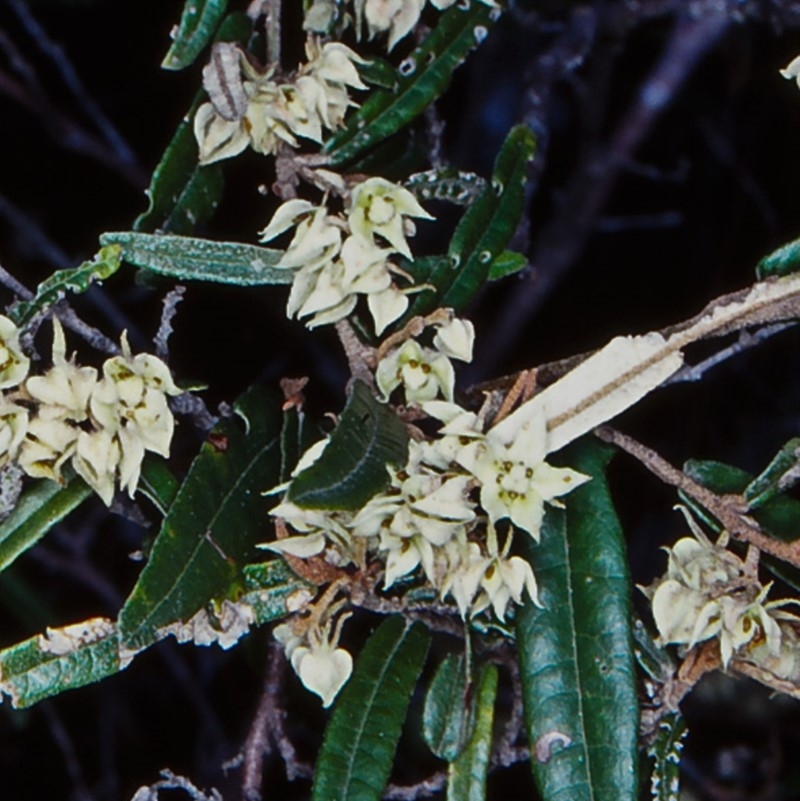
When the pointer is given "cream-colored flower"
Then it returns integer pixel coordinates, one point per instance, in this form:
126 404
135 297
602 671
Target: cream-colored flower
516 481
792 70
455 339
397 17
97 455
48 444
13 427
14 363
63 392
423 373
218 138
315 657
378 206
708 594
334 63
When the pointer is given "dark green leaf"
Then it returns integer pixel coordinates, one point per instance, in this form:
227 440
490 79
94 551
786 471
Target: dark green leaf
37 511
352 467
421 78
448 715
780 516
212 526
665 750
446 183
467 775
779 475
157 483
199 20
576 658
188 259
362 735
507 263
378 72
50 291
182 193
652 657
782 261
62 659
484 230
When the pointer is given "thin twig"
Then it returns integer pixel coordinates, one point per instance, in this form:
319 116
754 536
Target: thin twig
169 310
272 9
730 510
421 789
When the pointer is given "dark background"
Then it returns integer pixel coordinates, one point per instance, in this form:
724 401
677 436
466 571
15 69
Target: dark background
667 167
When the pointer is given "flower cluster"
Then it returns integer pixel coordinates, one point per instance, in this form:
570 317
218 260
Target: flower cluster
257 109
440 512
709 593
102 426
339 257
396 18
426 373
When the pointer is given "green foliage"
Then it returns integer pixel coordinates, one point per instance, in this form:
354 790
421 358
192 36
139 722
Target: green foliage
484 230
211 528
419 80
778 476
507 263
183 194
47 665
104 264
466 779
783 261
575 654
199 20
41 506
448 717
362 735
188 259
352 467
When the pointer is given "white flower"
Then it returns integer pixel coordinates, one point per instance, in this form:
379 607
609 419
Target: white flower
63 392
423 373
792 70
398 17
378 206
516 482
315 658
455 339
13 427
14 363
707 594
47 445
97 455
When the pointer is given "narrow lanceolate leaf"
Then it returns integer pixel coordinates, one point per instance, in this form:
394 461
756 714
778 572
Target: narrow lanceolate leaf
576 657
448 715
665 751
421 78
784 260
59 660
353 466
38 510
185 258
212 526
484 230
199 20
105 263
466 779
183 194
362 735
782 473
